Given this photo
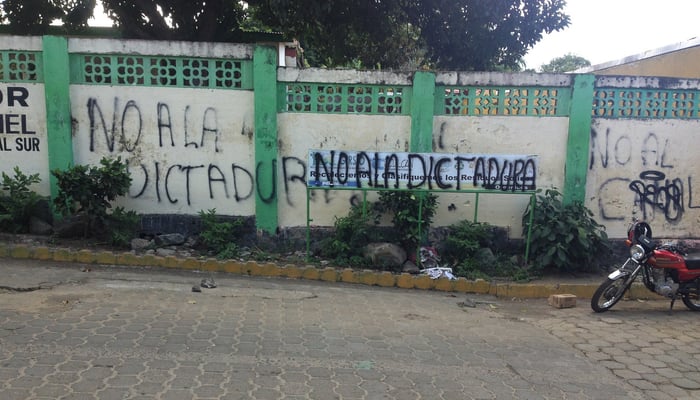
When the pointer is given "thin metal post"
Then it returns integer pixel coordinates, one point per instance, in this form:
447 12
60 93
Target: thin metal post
529 227
308 224
420 223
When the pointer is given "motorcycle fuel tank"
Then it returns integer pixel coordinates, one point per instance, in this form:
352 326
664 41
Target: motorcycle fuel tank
667 259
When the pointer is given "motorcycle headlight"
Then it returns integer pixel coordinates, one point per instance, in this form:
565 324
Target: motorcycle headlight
637 252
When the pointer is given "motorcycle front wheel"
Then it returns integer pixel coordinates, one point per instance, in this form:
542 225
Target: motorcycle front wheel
691 299
609 293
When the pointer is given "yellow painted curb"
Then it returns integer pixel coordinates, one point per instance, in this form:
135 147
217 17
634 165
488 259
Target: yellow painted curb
348 276
128 259
105 257
232 267
43 253
269 269
191 263
386 279
423 282
290 271
329 274
64 255
148 260
444 285
310 272
405 281
367 277
212 265
20 252
85 257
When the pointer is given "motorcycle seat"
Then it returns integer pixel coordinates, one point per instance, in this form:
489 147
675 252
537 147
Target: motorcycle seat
692 261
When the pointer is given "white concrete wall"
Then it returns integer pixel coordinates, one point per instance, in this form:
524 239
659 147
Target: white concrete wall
205 160
544 137
27 122
299 133
23 140
648 169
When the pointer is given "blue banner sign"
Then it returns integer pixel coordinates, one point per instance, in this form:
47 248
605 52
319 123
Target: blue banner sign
422 171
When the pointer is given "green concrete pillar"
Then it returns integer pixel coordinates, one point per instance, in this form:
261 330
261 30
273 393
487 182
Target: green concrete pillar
422 112
577 147
58 117
265 91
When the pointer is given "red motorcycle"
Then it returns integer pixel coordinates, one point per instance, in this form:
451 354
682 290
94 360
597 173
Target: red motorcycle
665 269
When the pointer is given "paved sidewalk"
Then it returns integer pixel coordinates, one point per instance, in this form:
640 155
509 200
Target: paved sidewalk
641 341
142 333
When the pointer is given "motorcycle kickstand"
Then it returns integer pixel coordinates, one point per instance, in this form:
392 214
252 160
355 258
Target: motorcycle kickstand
673 300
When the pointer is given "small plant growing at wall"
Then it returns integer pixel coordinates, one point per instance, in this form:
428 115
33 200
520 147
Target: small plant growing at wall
464 239
122 226
469 247
350 236
564 236
220 236
89 190
17 201
407 209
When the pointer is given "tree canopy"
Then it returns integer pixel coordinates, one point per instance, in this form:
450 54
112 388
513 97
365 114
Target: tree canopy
448 34
565 63
445 34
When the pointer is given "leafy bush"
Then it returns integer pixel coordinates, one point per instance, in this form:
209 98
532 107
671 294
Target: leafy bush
361 227
464 239
122 226
17 201
351 234
220 236
404 206
564 236
90 189
469 247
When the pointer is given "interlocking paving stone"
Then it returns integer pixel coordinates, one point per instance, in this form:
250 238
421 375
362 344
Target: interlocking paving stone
141 333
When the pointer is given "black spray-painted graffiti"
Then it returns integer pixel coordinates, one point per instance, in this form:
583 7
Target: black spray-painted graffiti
233 181
422 171
127 125
653 191
121 126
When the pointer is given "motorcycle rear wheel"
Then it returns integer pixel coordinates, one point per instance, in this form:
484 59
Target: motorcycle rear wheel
608 294
691 299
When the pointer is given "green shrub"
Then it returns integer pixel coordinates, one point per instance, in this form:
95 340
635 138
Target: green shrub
91 189
488 266
122 226
564 236
407 209
464 239
350 235
17 201
220 236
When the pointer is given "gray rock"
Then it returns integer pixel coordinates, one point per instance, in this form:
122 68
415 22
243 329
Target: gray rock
385 254
169 239
411 267
485 256
37 226
165 252
73 226
140 244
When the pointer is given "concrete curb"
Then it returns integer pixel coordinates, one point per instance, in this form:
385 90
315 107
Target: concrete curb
308 272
